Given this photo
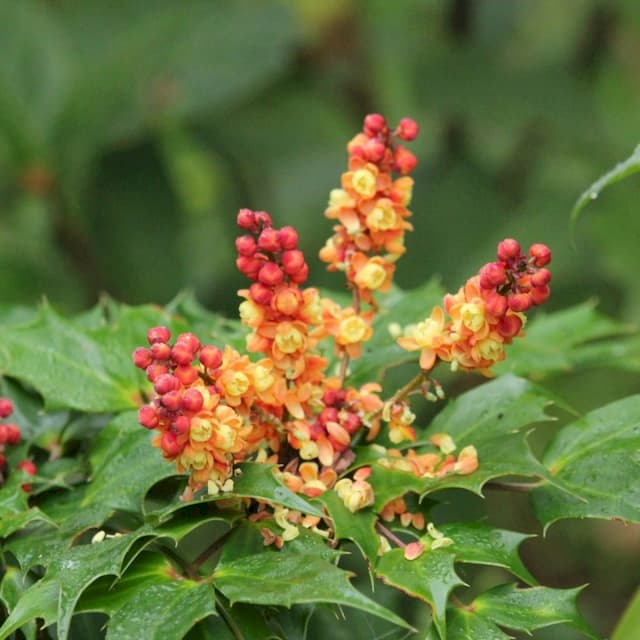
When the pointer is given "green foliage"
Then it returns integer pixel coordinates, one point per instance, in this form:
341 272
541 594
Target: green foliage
137 578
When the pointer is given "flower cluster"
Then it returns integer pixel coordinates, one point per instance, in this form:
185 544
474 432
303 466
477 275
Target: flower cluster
10 435
371 207
486 313
213 408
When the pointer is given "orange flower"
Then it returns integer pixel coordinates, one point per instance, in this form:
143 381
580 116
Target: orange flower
429 337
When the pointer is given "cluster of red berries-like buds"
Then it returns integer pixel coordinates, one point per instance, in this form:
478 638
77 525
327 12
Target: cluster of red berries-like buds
518 281
171 370
376 144
336 421
267 256
10 435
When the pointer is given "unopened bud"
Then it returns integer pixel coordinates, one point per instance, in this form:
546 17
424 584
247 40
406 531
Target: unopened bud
541 254
508 249
407 129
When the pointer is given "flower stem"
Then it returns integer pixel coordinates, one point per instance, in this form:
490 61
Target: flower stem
390 535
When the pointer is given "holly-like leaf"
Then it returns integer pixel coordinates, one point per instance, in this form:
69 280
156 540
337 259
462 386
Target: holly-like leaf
563 340
125 466
430 577
530 609
623 169
15 513
65 365
463 624
598 458
150 602
12 587
284 579
358 527
39 601
478 543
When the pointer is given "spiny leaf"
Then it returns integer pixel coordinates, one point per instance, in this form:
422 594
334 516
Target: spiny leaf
466 625
623 169
530 609
563 340
150 601
430 577
13 586
598 458
64 364
15 513
283 579
39 601
478 543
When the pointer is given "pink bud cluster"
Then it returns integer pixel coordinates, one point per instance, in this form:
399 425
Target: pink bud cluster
516 281
10 435
267 256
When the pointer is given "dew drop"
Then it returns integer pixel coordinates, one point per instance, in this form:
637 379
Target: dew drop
593 195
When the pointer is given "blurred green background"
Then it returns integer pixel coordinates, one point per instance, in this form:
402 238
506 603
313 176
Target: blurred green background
132 131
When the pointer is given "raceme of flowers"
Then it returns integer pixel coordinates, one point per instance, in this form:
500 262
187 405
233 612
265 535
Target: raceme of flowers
214 407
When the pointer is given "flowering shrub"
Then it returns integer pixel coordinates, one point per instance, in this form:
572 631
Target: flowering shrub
287 445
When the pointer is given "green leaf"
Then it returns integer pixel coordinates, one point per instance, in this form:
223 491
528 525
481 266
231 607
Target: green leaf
150 601
430 577
530 609
467 625
598 458
284 579
478 543
39 601
11 590
562 340
15 514
358 527
257 480
630 621
125 466
65 365
623 169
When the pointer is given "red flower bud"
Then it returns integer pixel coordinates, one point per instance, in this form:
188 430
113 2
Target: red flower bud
288 238
374 150
6 407
407 129
181 425
181 353
292 261
190 340
246 245
328 414
519 302
492 275
158 334
148 417
141 359
260 293
166 383
210 356
169 444
509 326
249 266
539 294
541 277
160 351
154 371
495 304
300 276
541 254
246 219
263 219
352 422
404 161
270 274
268 240
172 400
186 374
374 123
4 433
508 249
28 467
13 433
192 400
